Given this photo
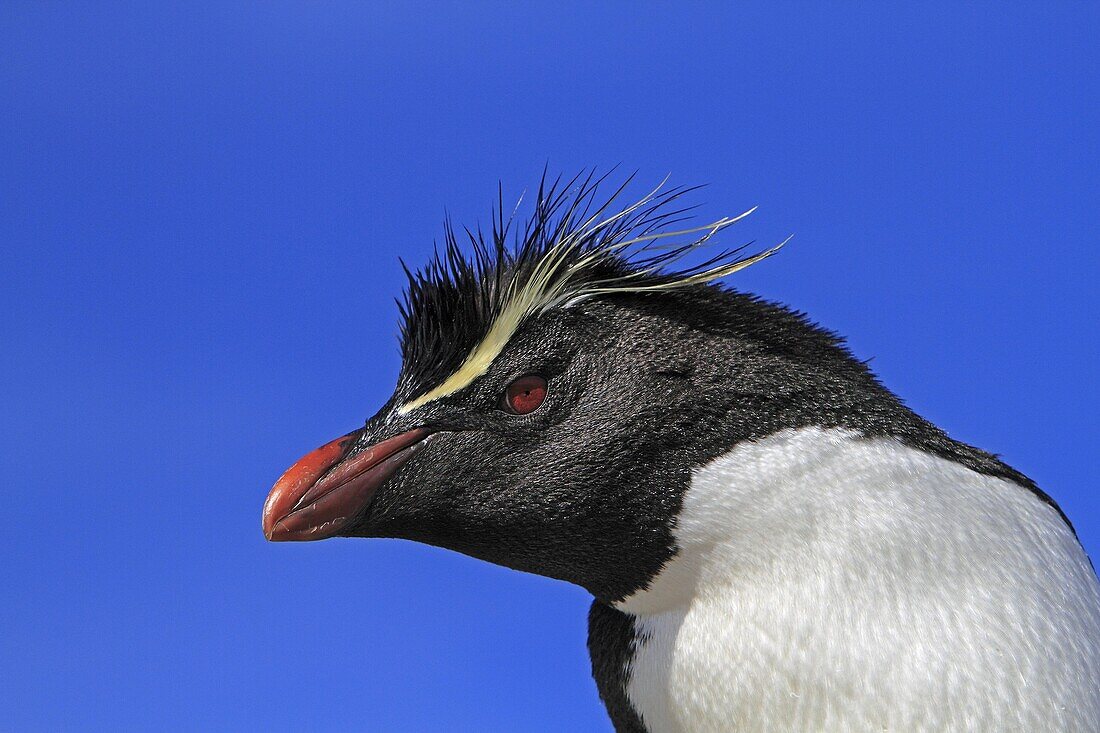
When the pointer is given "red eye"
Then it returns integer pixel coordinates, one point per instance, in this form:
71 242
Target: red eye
525 394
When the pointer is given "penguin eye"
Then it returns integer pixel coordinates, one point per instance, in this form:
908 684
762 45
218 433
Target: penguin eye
524 394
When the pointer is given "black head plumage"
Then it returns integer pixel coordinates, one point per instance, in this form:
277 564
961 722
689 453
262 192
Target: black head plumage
574 244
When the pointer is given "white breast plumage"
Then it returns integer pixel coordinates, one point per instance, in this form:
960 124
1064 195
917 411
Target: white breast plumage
830 582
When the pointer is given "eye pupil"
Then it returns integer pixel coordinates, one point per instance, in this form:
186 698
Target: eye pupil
525 394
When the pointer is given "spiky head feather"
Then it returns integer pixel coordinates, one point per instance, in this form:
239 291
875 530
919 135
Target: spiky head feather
461 309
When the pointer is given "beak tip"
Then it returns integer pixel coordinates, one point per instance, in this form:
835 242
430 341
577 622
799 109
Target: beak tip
268 528
276 530
274 511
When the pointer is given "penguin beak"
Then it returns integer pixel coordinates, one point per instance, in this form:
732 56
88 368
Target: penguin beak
327 489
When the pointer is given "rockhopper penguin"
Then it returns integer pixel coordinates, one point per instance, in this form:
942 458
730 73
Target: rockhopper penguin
773 540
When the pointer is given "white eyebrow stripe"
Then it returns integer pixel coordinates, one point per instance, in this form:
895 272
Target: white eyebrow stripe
474 365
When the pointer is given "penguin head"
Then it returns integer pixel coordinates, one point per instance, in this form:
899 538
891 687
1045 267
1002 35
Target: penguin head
556 391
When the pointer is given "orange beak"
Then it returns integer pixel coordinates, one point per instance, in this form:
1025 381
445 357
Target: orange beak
329 488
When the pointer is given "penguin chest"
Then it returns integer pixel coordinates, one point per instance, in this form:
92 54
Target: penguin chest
828 582
682 677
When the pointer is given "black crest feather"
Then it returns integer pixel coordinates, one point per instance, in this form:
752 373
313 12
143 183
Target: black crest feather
574 245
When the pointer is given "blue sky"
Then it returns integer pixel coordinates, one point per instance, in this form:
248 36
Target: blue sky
201 211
